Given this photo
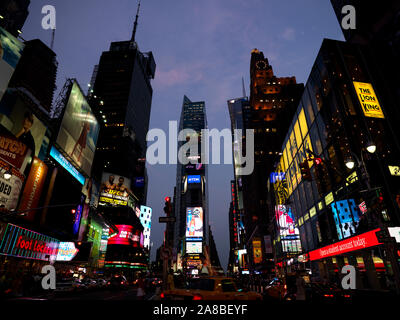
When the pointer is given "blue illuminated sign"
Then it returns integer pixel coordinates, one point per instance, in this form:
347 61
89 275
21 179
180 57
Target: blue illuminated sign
193 179
66 165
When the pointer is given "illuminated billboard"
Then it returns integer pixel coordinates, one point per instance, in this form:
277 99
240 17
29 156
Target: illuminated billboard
67 165
346 217
288 232
79 130
66 251
194 247
368 100
194 179
10 189
10 53
194 222
127 235
24 243
114 189
257 251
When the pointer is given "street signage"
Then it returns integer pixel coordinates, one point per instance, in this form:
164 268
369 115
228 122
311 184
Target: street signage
394 170
166 219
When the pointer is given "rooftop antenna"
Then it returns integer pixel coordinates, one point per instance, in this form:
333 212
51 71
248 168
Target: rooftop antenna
244 90
52 39
136 22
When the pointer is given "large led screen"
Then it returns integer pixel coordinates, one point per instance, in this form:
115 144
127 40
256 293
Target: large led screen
346 217
79 130
114 189
289 234
127 235
194 222
194 247
10 53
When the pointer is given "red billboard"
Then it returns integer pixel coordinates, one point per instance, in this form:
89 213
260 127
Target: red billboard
359 242
127 235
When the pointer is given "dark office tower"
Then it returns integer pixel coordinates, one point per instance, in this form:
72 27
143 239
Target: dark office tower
273 102
191 207
35 75
121 98
240 115
378 29
13 14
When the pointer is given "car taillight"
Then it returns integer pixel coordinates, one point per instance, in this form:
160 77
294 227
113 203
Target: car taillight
197 297
328 295
162 296
347 296
122 282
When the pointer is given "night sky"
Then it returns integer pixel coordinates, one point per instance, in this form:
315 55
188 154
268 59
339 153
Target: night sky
202 49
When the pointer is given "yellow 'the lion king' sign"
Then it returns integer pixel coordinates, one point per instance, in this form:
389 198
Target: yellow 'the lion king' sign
368 100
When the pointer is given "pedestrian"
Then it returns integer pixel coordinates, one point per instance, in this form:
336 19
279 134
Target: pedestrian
300 286
141 289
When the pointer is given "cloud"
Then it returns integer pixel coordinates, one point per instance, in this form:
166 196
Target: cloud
288 34
180 74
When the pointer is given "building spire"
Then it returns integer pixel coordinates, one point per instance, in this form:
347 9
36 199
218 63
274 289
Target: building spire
136 22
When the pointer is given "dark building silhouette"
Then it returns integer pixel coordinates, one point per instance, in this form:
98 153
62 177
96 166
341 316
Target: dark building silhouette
13 15
273 101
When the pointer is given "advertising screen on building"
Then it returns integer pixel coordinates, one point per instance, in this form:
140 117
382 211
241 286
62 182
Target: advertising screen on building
19 120
194 247
127 235
257 251
194 179
289 234
33 188
368 100
194 222
24 243
10 53
79 130
54 153
66 251
10 189
114 189
346 217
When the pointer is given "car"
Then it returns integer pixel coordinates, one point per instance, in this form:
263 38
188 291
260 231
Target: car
117 282
68 285
318 291
276 289
210 288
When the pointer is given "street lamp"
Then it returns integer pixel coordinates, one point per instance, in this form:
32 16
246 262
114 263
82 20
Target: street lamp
350 163
371 147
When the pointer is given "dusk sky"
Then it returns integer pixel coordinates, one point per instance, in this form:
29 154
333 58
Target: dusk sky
202 50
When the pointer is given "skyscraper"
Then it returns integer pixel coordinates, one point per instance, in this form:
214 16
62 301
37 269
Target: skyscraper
13 14
121 98
191 207
273 102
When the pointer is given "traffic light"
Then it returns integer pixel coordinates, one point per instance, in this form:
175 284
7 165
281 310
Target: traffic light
317 161
305 170
167 206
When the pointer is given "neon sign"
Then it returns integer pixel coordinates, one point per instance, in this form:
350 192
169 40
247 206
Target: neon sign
67 165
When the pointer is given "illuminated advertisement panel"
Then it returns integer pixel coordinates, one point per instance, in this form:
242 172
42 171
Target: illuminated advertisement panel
10 53
194 179
194 247
359 242
194 222
346 217
66 251
79 130
257 252
10 189
289 234
24 243
33 188
115 189
127 235
368 100
67 165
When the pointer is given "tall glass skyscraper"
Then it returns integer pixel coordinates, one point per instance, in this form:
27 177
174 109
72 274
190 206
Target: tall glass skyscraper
191 236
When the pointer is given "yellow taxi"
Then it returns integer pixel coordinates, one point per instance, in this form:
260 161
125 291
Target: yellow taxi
210 288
